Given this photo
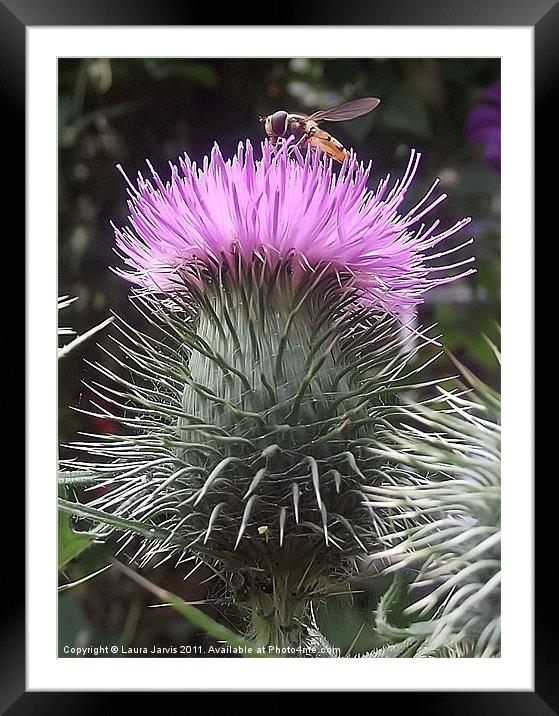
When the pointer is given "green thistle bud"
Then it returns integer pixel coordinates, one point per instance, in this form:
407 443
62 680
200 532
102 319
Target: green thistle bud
252 447
448 524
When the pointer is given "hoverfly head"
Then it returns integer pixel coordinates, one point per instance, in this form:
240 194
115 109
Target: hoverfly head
278 123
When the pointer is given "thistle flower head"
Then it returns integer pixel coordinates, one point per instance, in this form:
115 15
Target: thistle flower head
254 419
290 210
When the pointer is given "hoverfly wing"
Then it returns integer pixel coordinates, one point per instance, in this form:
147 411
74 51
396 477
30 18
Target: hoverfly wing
348 110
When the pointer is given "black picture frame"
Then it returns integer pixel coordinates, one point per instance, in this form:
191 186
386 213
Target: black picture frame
543 16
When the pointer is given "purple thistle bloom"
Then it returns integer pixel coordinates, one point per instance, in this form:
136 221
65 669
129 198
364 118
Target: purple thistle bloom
483 124
286 207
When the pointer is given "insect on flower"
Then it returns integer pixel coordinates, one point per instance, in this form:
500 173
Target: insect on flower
305 129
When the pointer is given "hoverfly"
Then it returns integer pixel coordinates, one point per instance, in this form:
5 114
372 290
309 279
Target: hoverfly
305 129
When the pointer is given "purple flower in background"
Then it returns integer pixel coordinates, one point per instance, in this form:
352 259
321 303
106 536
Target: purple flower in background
483 124
286 207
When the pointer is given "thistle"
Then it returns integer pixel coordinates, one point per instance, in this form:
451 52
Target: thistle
277 296
447 525
63 331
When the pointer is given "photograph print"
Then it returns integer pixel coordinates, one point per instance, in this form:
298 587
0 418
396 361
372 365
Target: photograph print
279 363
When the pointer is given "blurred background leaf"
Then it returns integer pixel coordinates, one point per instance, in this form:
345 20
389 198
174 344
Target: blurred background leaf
70 543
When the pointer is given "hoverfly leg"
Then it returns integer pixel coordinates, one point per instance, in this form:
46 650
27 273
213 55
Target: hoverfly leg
301 142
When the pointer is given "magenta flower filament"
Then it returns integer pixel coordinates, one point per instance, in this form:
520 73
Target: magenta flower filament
287 205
